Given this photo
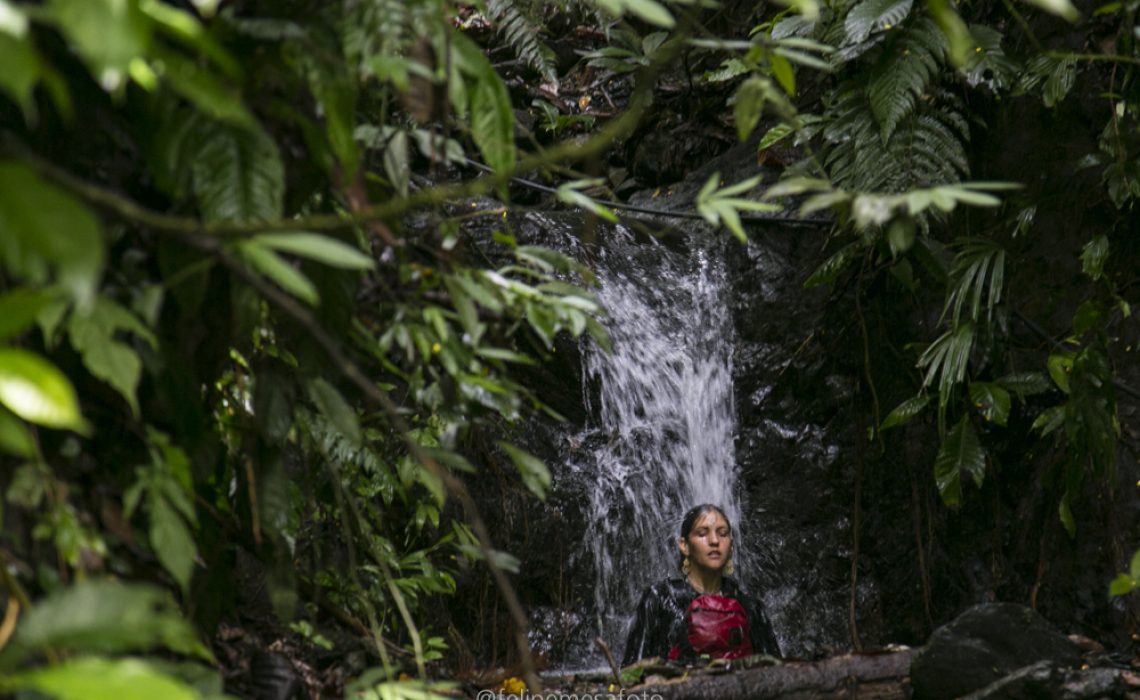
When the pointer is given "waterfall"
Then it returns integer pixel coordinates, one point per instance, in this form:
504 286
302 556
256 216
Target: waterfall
661 438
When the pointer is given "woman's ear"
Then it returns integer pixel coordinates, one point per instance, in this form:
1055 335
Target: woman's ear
683 546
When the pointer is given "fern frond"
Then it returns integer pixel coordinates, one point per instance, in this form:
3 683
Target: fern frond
375 27
874 16
904 74
522 36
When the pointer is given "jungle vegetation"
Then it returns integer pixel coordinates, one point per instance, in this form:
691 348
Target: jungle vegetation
241 328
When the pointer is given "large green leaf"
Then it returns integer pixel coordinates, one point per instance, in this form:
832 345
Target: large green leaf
492 121
750 97
93 335
42 227
874 15
172 540
238 175
22 68
94 678
108 34
19 309
960 452
103 617
33 389
991 400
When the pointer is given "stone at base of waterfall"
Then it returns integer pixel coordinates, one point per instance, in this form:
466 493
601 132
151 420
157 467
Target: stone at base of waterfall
983 645
1046 680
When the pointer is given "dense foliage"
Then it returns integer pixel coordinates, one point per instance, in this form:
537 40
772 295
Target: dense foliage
242 334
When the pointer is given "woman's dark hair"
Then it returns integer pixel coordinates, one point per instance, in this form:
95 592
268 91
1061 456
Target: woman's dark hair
691 517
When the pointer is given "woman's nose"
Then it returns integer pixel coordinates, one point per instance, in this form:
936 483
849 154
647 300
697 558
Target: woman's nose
713 538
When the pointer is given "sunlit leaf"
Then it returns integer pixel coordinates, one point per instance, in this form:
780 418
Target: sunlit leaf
36 391
103 617
106 679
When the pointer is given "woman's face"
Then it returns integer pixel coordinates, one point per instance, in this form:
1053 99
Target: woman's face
709 544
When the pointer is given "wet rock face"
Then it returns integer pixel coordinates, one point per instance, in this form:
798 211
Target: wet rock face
986 643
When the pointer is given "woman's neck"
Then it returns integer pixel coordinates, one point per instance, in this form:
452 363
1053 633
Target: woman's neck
705 582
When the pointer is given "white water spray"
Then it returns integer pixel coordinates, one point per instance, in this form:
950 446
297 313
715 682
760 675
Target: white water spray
664 406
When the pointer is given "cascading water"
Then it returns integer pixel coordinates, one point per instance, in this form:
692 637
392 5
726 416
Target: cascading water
663 422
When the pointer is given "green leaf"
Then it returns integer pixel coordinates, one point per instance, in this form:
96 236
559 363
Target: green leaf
905 411
107 679
36 391
318 247
19 309
279 271
22 66
1123 585
1094 255
201 87
785 74
750 97
93 336
108 34
238 175
492 123
1061 8
534 473
649 10
338 411
831 268
1060 81
103 617
396 163
1065 511
15 438
569 193
960 452
1026 383
172 541
873 16
991 400
955 30
1049 420
1060 367
43 227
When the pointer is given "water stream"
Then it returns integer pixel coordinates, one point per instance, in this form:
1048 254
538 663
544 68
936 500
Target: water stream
661 434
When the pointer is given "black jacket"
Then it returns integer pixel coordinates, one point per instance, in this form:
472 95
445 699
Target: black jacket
660 621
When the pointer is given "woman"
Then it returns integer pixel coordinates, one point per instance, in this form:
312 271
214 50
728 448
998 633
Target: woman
704 611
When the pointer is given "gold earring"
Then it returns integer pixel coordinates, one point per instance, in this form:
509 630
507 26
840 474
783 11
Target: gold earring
685 567
728 568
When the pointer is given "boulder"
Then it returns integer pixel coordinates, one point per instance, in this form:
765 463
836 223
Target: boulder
983 645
